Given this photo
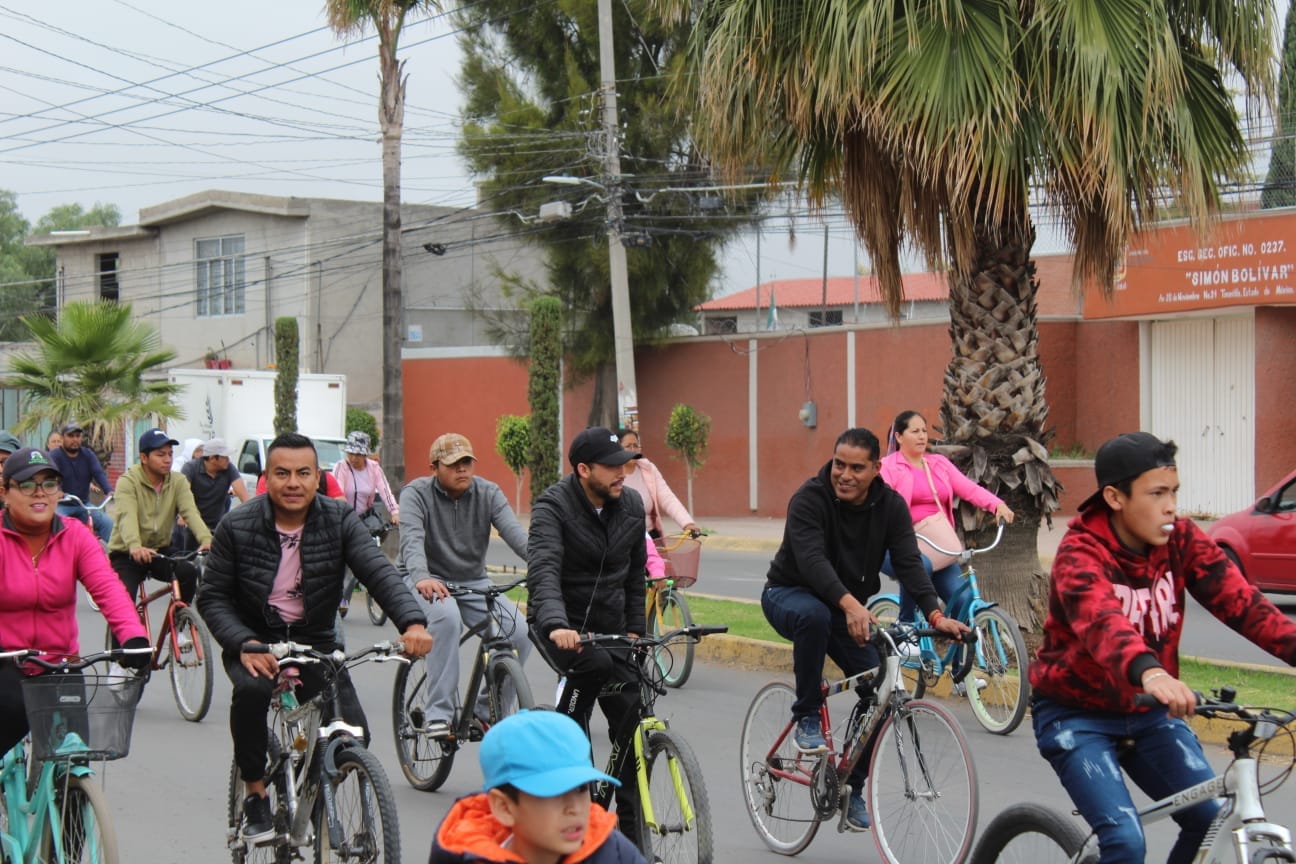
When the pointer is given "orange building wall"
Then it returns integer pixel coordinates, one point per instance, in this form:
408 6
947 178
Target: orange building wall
1107 381
1275 394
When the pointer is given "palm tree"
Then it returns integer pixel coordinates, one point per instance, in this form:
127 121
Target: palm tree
348 18
93 365
938 123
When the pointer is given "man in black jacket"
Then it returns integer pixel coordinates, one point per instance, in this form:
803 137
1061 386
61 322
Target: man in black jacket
275 573
586 557
840 524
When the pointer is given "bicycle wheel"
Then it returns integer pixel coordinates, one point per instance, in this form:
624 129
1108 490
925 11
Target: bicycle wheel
681 811
424 761
191 663
922 787
83 821
887 612
510 692
366 813
276 852
1000 661
774 774
674 659
377 616
1030 834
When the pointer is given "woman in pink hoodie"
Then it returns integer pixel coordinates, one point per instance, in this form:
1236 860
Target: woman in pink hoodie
644 477
42 558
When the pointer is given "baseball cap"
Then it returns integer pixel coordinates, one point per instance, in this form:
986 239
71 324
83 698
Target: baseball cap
358 444
71 426
451 448
1126 457
542 753
216 447
9 442
27 463
599 445
154 439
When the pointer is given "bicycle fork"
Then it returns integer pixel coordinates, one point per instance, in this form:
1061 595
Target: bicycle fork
646 728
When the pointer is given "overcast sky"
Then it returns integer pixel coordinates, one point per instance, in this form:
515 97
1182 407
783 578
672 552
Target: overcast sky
136 102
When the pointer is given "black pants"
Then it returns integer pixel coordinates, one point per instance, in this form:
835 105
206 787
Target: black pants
250 704
13 711
133 573
588 673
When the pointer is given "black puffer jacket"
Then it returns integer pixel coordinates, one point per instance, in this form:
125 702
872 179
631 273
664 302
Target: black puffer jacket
244 559
585 570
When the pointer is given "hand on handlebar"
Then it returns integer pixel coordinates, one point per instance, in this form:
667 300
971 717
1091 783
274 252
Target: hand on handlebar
1004 512
417 640
432 589
952 627
565 638
259 664
859 623
1177 696
142 554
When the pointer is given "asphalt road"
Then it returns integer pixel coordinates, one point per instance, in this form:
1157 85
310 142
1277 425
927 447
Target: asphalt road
169 797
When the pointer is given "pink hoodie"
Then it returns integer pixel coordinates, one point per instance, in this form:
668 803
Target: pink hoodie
950 483
38 602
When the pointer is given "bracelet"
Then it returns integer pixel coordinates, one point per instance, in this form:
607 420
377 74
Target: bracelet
1154 676
935 617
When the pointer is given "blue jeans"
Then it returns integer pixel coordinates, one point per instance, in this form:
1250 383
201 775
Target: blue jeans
946 580
102 524
1161 755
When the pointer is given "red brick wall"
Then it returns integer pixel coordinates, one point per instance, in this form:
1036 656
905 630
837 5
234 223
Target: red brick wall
1275 395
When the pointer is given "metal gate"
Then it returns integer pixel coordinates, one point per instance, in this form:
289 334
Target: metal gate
1202 394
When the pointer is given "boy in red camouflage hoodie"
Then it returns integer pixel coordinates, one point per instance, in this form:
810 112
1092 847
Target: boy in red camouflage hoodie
1116 602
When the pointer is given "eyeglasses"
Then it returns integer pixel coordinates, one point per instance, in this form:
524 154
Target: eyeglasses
29 487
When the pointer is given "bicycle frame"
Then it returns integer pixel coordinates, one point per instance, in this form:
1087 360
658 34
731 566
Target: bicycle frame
27 816
146 598
493 641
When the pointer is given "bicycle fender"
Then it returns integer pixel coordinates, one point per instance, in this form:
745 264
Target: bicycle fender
894 598
979 605
80 770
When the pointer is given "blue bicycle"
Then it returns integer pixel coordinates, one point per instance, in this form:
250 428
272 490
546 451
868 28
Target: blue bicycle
998 689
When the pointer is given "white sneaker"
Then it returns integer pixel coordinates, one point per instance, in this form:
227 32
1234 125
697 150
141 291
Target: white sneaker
960 689
908 650
184 641
117 676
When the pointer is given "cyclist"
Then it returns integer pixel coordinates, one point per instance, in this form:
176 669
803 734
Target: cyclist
840 525
645 478
79 466
212 479
1115 615
275 572
585 573
446 522
362 482
42 557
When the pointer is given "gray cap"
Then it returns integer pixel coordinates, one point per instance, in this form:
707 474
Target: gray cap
9 442
216 447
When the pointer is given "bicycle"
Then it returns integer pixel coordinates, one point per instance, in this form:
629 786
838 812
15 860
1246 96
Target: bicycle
999 704
922 787
58 813
377 616
674 813
1241 832
184 644
327 792
665 607
425 758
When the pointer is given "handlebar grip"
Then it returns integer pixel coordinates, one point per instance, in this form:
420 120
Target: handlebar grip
969 655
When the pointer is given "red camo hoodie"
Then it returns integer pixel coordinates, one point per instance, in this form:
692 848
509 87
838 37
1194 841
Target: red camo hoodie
470 833
1114 613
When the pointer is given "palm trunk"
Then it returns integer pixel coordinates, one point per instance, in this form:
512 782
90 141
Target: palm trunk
391 116
994 412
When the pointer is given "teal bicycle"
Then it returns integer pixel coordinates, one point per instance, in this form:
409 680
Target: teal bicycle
997 690
77 716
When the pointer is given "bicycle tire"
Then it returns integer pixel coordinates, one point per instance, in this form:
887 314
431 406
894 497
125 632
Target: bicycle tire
1000 661
191 667
887 612
675 659
1030 833
86 832
377 616
676 840
922 787
424 761
504 672
366 813
780 808
278 852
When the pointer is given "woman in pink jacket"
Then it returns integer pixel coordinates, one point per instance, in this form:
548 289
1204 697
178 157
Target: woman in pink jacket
42 558
362 479
644 477
906 470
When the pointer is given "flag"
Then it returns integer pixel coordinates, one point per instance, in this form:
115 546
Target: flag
771 319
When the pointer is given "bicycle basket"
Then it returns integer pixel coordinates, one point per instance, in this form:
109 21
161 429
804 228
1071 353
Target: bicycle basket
682 561
85 716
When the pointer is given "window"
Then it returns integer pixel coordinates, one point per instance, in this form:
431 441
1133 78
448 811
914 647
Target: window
831 318
718 325
108 287
219 267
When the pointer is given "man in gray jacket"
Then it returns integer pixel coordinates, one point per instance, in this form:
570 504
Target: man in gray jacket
445 528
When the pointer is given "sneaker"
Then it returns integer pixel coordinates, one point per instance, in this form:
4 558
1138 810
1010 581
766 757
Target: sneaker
437 730
908 650
857 817
960 689
184 641
258 824
118 676
809 735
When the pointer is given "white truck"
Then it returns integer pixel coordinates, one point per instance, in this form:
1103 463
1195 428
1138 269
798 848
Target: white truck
238 406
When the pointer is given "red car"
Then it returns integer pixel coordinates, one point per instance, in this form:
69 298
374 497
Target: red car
1261 540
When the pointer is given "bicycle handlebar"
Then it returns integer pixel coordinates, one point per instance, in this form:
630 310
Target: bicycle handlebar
69 498
69 664
965 555
296 652
457 590
693 631
908 633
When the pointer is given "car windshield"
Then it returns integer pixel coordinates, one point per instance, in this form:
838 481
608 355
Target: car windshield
329 451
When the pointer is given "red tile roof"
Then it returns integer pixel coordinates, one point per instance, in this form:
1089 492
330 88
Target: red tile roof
792 293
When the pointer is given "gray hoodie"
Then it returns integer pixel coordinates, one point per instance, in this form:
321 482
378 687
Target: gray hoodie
444 538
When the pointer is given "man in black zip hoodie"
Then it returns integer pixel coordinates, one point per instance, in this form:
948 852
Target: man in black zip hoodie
840 524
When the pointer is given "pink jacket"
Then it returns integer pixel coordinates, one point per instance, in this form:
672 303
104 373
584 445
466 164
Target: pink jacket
38 602
950 483
656 564
659 499
345 475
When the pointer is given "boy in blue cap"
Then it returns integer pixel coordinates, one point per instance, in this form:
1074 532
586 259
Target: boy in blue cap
536 808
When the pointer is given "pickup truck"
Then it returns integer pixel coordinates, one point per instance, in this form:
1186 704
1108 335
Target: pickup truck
250 459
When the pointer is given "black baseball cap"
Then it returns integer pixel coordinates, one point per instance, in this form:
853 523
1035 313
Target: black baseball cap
154 439
599 445
1126 457
27 463
71 426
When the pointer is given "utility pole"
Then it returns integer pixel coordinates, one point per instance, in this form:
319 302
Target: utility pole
622 328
